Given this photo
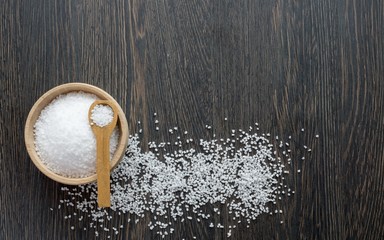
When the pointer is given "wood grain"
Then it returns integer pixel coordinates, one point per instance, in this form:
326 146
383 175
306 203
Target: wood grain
285 64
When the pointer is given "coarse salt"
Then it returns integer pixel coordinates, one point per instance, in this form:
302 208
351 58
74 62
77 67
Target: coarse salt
64 139
243 174
102 115
188 180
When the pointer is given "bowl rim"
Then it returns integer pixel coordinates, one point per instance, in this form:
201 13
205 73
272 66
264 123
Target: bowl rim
47 98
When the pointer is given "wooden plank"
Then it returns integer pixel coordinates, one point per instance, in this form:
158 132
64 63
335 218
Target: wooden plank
285 64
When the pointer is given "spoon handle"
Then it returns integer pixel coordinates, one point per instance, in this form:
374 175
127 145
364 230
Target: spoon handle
103 169
103 165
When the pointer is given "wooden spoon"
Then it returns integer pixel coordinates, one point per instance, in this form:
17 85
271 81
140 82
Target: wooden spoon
103 167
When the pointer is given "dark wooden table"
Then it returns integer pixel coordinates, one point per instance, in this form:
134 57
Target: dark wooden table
287 64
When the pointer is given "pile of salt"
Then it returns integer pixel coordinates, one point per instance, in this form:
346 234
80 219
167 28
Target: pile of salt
64 140
102 115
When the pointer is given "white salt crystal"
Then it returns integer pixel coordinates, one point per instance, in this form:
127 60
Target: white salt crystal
102 115
64 139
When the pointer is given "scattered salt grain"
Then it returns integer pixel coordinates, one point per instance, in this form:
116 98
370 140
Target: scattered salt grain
193 179
244 173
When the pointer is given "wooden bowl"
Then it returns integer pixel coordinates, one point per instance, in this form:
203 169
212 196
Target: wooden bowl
43 101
